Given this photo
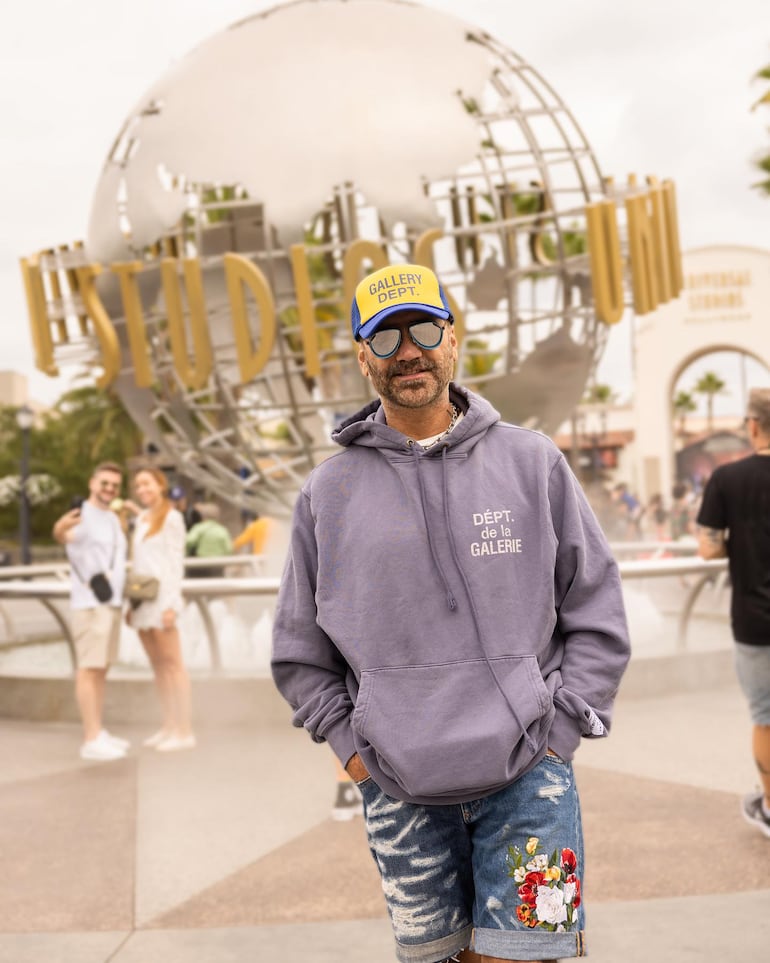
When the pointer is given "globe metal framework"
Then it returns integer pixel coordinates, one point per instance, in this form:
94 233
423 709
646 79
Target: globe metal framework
326 123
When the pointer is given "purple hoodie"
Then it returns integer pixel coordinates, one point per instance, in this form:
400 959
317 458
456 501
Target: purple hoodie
448 613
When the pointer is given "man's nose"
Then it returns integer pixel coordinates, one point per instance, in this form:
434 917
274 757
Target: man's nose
407 349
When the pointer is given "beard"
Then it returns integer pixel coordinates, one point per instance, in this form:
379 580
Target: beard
391 385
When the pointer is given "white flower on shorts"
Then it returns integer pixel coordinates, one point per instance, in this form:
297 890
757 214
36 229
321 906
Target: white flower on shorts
538 864
549 905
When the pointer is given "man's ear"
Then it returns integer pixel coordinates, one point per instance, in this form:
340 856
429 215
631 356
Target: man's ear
453 342
362 360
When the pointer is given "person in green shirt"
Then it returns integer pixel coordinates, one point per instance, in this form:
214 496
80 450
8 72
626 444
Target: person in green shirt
208 538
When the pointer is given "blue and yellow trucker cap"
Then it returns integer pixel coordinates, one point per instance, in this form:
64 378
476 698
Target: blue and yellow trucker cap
398 287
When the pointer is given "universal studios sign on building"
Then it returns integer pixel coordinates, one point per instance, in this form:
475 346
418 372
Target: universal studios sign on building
238 209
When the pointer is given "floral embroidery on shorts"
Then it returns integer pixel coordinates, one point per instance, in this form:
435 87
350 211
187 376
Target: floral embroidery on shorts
548 888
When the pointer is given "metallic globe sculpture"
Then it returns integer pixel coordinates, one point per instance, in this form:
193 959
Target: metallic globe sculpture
313 142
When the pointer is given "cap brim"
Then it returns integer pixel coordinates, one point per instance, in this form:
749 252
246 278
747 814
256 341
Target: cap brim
368 329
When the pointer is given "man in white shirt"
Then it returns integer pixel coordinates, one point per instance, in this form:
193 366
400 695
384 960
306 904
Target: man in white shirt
96 549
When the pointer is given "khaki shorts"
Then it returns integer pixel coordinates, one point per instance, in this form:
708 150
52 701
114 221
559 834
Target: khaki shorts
96 633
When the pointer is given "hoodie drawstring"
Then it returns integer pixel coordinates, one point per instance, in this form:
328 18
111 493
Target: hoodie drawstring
451 600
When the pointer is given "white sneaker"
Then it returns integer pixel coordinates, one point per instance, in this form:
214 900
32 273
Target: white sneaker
174 743
101 749
754 812
123 744
156 737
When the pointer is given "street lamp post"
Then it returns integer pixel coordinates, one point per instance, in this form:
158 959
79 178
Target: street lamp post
24 418
586 431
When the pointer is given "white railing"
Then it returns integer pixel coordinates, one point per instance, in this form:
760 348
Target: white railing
685 546
49 585
62 569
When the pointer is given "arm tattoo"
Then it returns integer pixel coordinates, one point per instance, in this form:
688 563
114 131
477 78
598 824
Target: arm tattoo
714 535
711 542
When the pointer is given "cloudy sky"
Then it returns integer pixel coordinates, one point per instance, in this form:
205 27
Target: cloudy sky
658 89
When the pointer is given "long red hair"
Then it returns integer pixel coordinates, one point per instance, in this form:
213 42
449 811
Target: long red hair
158 515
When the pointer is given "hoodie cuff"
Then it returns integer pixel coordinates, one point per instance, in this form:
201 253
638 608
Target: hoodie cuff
340 738
564 735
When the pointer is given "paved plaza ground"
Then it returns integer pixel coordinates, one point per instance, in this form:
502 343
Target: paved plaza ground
229 853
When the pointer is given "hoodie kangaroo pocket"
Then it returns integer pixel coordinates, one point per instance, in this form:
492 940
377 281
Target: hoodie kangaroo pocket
443 729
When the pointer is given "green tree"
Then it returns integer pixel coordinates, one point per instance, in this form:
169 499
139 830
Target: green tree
479 359
762 163
41 462
599 394
97 426
10 462
683 404
710 385
85 426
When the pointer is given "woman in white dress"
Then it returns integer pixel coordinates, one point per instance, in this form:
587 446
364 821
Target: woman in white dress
158 547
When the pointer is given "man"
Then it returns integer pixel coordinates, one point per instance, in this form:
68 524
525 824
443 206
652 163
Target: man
683 510
629 511
734 521
191 515
96 549
255 534
450 619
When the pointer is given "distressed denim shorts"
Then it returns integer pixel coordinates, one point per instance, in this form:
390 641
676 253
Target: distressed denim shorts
752 666
501 874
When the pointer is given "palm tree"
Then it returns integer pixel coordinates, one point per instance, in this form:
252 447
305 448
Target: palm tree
597 399
97 425
709 384
683 405
599 394
763 163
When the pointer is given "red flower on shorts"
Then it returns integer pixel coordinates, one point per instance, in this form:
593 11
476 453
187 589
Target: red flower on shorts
528 889
568 861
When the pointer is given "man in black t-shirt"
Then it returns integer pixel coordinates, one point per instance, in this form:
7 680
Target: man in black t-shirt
734 521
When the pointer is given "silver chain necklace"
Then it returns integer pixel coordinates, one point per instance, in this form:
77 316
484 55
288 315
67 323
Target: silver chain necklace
452 423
